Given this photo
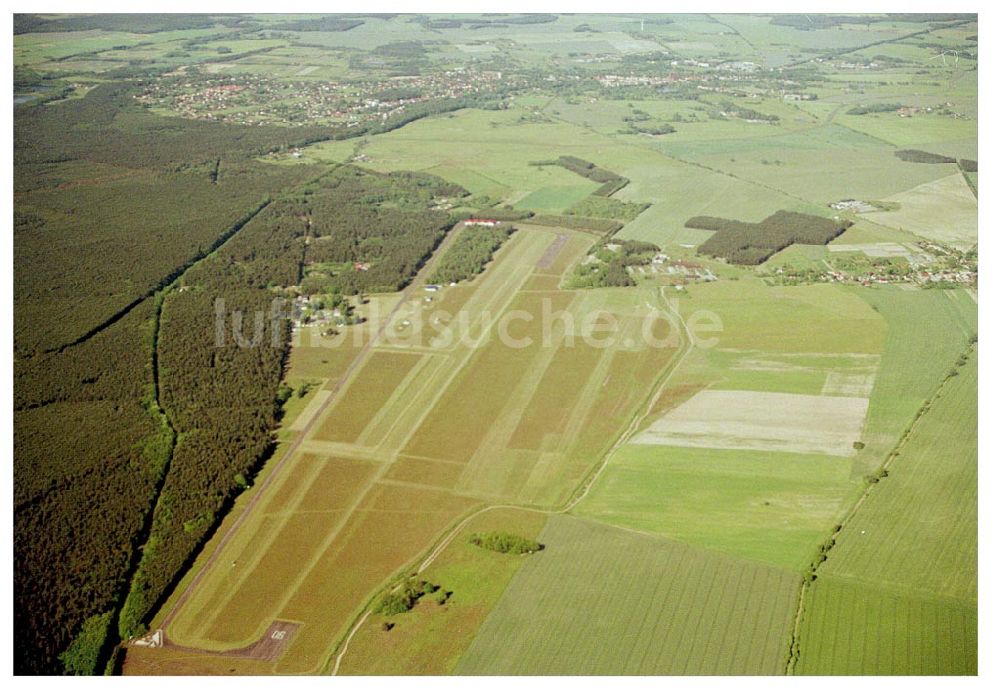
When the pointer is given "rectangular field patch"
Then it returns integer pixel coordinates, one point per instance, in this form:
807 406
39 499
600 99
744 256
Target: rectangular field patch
762 421
604 601
555 396
310 410
366 395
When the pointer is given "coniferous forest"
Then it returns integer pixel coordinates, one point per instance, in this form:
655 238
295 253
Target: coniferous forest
134 427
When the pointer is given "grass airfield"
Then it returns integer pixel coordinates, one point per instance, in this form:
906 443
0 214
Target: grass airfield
428 439
370 487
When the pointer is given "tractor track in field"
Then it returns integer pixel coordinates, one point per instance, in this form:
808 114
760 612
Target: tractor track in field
578 496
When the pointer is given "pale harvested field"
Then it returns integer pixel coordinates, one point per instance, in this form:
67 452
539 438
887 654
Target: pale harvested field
762 421
943 210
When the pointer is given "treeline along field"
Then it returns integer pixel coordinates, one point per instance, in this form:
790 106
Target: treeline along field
102 223
609 180
123 403
470 253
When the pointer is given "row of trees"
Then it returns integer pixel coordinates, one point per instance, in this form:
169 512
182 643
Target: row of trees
594 225
607 208
746 113
923 157
874 108
404 597
504 542
611 182
469 254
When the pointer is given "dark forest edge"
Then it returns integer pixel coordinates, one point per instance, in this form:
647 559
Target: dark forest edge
198 450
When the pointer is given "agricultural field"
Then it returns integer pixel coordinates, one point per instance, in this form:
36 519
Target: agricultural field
898 592
431 639
678 312
771 507
761 421
590 574
943 210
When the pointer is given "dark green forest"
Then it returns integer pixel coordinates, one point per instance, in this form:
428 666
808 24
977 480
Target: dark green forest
752 243
135 427
470 253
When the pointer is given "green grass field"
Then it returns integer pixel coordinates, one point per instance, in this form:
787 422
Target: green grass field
806 319
898 593
901 584
605 601
489 152
917 529
859 628
942 210
918 353
771 507
555 198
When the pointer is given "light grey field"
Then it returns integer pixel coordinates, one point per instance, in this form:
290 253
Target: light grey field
762 421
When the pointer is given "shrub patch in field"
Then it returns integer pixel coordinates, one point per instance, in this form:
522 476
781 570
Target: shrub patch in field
502 542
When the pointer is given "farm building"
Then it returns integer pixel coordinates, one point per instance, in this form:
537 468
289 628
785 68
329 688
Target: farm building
478 222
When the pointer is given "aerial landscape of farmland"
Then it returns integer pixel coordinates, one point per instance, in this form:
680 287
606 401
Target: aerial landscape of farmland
495 344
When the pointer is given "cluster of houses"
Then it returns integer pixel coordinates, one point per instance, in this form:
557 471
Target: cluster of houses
256 99
911 111
968 278
730 78
929 264
681 270
303 314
